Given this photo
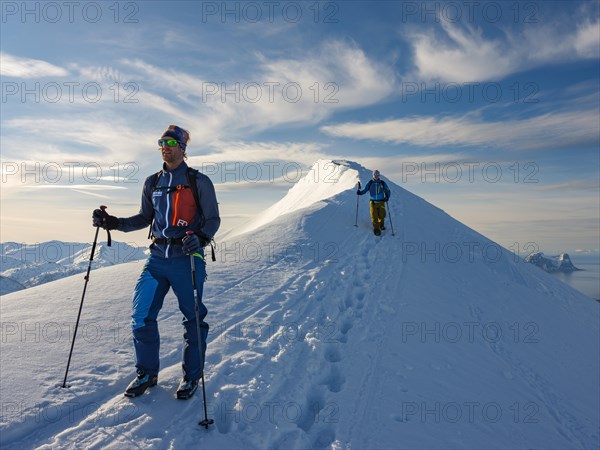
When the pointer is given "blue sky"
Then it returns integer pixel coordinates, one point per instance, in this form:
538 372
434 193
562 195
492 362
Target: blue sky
489 110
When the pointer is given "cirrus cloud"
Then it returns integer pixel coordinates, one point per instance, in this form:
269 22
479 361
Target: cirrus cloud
543 131
19 67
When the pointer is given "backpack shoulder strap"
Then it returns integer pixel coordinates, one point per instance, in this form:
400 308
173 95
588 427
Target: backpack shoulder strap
192 175
153 183
191 179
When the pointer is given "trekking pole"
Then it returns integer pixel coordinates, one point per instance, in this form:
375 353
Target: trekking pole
390 214
87 278
356 221
206 422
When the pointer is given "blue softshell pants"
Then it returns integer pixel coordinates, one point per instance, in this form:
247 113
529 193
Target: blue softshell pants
159 275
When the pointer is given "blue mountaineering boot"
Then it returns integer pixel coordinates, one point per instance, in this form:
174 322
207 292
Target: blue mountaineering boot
186 389
139 385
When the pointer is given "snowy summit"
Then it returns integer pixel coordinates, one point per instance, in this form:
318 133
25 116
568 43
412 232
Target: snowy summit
322 336
558 263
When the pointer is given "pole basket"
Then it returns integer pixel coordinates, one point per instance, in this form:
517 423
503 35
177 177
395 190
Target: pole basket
206 422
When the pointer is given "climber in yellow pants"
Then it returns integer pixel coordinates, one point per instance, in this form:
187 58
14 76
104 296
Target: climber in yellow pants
378 216
380 194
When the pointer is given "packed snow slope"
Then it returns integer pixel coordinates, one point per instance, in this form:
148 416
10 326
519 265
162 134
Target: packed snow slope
323 336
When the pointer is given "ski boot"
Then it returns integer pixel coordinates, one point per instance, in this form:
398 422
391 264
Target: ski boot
186 389
139 385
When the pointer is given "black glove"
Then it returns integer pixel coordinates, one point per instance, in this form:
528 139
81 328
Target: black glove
101 218
191 244
358 192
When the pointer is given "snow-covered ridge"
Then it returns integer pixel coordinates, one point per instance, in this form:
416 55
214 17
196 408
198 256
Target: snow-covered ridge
324 180
27 265
433 338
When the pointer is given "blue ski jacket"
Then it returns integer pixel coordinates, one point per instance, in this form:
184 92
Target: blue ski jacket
171 208
378 190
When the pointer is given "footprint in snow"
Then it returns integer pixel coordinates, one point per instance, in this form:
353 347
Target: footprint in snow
349 302
346 326
332 354
104 368
334 380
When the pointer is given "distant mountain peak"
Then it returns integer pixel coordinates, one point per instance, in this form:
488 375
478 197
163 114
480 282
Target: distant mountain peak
556 263
25 265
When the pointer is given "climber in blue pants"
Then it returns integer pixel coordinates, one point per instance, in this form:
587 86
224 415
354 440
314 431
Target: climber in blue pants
180 205
158 276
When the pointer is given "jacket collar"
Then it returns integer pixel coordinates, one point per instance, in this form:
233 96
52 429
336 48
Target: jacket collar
181 167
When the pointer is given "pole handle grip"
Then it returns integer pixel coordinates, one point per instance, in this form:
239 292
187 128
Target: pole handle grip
108 238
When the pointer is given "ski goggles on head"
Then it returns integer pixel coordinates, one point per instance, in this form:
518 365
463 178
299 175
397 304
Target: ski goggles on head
168 142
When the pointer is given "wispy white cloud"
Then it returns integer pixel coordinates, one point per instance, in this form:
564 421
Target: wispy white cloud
361 80
303 153
92 194
543 131
462 53
587 39
397 167
569 186
173 82
272 91
20 67
334 76
92 139
102 74
246 185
